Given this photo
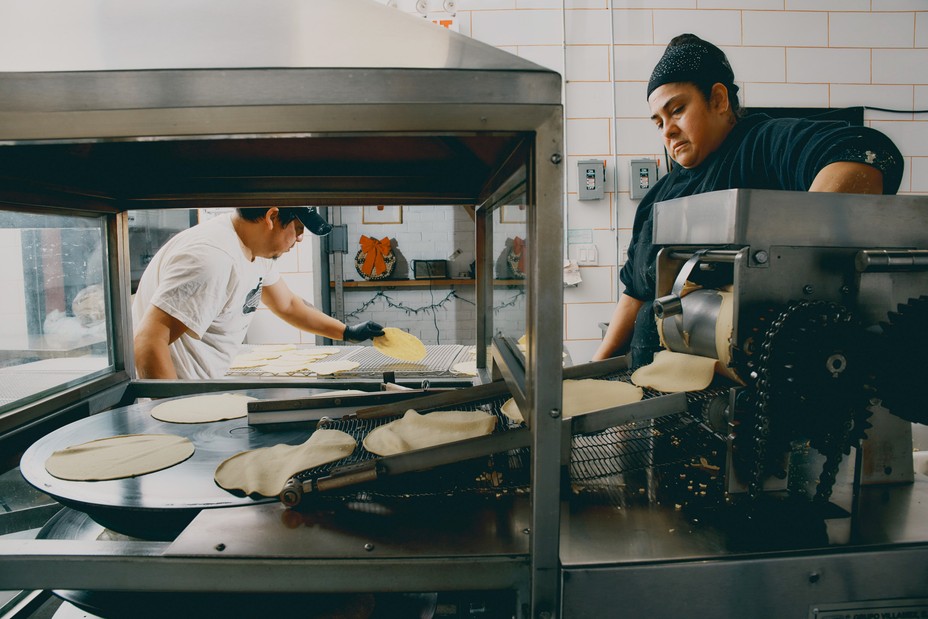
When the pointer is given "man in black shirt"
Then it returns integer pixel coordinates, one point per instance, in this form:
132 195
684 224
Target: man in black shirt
694 104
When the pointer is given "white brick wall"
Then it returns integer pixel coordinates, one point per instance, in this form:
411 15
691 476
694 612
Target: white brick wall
789 53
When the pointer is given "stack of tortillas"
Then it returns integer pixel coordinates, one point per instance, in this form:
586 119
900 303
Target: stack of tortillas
203 408
285 359
414 431
117 457
584 396
400 345
265 471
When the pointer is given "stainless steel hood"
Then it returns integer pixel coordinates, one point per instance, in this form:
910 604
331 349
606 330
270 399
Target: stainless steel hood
224 103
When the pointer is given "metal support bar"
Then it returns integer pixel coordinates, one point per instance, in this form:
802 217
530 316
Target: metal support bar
886 261
143 566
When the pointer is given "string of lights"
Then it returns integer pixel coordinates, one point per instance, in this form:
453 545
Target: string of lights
428 308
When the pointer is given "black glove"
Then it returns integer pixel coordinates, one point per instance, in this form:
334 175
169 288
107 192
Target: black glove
362 331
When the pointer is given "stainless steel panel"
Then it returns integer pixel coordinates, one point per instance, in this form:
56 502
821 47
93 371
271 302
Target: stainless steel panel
760 587
98 35
763 218
413 529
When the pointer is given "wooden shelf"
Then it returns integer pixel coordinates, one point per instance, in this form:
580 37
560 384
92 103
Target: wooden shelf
424 283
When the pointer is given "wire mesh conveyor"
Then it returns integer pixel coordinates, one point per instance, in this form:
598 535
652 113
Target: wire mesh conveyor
667 435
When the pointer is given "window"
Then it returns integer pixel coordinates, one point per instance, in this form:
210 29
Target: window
54 308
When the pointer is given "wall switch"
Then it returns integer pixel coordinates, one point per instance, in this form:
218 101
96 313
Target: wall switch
584 254
643 176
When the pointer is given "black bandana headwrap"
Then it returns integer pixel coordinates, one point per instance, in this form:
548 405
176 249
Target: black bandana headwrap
690 59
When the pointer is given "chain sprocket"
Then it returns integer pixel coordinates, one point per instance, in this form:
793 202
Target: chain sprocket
808 385
901 374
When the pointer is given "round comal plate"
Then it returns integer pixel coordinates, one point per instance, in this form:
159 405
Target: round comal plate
158 505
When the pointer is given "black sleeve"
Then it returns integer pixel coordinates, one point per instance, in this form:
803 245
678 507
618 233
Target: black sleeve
637 274
792 152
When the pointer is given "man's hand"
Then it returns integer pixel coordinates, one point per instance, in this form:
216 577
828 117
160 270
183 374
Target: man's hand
362 331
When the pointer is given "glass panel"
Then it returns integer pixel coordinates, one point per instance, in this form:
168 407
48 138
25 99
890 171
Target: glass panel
149 230
54 313
510 256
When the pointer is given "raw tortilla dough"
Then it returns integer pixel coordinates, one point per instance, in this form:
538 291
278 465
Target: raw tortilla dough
414 431
333 367
400 345
244 364
116 457
465 367
265 348
286 368
585 396
265 471
203 408
672 372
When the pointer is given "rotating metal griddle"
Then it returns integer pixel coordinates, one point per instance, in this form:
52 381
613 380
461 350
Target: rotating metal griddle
158 505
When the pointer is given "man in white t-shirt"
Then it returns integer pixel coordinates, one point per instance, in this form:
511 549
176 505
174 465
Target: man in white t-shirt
199 293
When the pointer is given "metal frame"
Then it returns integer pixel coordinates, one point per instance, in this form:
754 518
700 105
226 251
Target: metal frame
475 91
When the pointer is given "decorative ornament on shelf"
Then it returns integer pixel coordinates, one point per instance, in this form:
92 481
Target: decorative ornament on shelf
516 258
375 260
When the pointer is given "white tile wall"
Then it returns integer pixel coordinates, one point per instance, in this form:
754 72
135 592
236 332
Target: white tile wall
786 28
828 5
633 27
597 286
634 62
790 53
588 63
589 99
589 137
541 27
921 30
589 214
785 95
590 27
720 27
919 174
849 66
630 100
871 29
900 66
758 64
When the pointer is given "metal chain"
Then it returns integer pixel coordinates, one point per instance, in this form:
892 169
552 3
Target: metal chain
831 449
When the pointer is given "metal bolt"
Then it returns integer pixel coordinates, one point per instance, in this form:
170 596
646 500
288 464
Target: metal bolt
526 530
555 158
368 547
555 413
807 289
845 290
761 257
220 547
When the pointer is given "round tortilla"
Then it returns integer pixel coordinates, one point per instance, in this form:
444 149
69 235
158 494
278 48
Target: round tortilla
265 471
400 345
584 396
203 408
672 372
117 457
414 431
